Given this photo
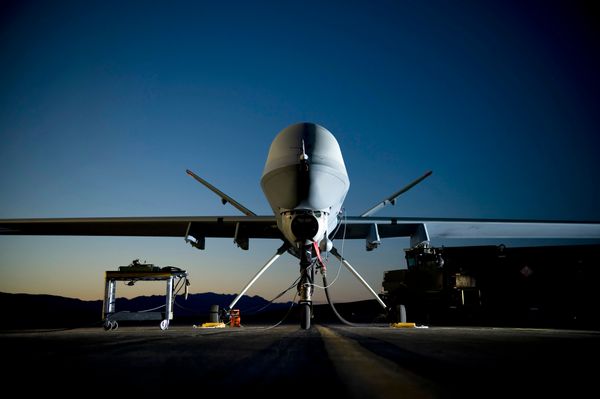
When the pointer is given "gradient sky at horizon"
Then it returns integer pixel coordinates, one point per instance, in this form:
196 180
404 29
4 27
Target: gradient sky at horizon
104 105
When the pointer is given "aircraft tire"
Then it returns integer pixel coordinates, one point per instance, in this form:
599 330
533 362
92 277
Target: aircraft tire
305 316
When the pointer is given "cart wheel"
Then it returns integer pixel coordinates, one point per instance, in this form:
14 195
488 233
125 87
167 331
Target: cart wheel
115 325
164 324
107 325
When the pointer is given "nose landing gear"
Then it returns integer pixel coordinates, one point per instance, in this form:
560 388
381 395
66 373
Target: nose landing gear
305 287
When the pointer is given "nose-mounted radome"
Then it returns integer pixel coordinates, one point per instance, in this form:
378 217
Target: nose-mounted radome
304 170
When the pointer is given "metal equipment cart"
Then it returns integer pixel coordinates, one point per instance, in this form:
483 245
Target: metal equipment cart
111 316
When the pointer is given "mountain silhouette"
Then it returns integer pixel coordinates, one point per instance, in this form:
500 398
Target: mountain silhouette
30 311
51 311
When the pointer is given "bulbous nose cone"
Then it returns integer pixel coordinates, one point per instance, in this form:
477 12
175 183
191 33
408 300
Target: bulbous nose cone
304 170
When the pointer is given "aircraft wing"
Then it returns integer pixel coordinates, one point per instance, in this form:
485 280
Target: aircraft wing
421 229
241 228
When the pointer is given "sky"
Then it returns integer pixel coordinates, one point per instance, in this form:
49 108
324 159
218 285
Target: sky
105 104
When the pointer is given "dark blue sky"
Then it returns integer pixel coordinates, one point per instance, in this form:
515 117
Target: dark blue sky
103 105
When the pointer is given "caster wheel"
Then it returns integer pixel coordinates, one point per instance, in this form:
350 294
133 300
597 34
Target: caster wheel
164 324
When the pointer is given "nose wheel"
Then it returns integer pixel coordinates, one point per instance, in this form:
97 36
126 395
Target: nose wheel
305 315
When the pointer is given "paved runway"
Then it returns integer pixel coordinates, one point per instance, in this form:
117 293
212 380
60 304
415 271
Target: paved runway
355 362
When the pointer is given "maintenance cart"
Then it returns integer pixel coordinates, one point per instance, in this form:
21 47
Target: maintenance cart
141 272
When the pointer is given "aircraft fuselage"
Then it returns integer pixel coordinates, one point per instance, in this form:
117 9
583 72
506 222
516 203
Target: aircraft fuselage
305 182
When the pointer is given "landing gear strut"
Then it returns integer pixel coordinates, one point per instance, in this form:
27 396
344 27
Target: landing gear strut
305 287
307 278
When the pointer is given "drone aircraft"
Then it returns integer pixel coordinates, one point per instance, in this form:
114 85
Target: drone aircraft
305 182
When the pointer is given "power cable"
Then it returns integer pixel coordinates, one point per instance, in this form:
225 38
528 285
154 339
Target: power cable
339 316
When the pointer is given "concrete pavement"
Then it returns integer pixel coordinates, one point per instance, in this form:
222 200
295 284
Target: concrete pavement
355 362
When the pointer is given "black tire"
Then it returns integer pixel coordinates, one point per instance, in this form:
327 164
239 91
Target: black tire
402 313
305 314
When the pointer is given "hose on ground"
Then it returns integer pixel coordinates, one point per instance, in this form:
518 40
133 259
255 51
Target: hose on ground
339 316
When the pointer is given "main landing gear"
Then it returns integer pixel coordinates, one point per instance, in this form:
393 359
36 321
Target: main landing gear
305 286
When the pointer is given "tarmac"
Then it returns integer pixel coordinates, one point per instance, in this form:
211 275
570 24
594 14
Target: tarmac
346 362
